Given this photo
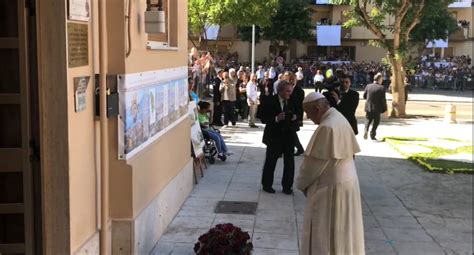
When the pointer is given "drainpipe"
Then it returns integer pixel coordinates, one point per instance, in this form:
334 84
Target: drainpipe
105 243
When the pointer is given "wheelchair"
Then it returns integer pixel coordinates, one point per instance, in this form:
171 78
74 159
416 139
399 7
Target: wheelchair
210 148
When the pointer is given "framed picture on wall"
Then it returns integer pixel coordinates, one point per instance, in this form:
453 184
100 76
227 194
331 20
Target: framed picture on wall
79 10
197 139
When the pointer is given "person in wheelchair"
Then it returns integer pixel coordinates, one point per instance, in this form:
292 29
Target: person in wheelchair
207 130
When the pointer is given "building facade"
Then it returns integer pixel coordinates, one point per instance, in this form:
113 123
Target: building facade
354 41
94 135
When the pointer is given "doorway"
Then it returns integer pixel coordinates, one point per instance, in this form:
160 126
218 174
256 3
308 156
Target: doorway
20 190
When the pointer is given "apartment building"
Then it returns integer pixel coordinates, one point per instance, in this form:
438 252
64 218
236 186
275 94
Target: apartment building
354 44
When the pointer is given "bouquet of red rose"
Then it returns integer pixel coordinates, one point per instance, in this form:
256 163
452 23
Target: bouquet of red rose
224 239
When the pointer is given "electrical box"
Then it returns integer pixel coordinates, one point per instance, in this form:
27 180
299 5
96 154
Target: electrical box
112 97
155 22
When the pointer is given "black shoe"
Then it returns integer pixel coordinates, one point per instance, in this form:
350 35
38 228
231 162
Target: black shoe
222 157
253 126
373 138
288 191
268 190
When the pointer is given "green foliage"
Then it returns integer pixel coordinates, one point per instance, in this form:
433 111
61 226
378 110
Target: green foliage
436 23
236 12
433 22
291 22
432 160
245 33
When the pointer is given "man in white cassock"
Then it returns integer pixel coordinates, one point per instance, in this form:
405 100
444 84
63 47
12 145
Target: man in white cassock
328 178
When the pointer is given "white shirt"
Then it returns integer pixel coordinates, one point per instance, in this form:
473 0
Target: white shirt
299 75
260 73
318 78
272 73
251 91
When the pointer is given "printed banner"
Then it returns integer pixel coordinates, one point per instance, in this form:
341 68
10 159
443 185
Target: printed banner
438 44
151 103
461 4
328 35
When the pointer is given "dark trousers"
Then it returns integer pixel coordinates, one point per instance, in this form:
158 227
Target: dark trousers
273 152
244 109
298 145
318 86
217 114
369 117
229 112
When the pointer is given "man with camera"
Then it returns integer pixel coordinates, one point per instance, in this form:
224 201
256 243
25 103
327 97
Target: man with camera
279 114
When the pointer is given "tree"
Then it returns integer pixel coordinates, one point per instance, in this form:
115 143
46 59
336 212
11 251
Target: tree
222 12
407 15
436 23
291 22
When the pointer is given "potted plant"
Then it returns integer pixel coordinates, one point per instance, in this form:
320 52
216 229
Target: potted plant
224 239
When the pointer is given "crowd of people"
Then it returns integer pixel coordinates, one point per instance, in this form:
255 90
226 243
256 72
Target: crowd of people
434 72
275 95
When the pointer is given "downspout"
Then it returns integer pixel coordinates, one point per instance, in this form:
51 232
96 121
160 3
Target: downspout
105 243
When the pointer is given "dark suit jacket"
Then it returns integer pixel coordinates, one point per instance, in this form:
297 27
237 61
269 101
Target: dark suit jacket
215 90
348 106
297 96
278 133
376 101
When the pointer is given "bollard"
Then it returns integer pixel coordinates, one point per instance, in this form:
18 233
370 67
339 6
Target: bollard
450 113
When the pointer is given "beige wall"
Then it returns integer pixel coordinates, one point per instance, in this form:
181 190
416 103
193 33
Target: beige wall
82 155
465 14
135 183
365 52
463 48
154 168
70 158
141 59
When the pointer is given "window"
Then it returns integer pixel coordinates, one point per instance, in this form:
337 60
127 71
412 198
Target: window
170 37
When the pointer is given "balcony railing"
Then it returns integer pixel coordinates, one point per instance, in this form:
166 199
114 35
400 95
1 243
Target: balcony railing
460 35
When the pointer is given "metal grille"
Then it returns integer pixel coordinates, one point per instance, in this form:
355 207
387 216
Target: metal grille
236 207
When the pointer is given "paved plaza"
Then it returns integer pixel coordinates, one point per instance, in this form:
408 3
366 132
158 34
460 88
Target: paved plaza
406 209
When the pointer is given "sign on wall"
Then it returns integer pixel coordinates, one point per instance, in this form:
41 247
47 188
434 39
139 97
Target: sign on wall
151 103
197 139
79 10
328 35
438 44
80 89
461 4
78 44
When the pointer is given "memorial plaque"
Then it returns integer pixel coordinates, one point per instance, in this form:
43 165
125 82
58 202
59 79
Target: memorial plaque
79 10
80 88
78 44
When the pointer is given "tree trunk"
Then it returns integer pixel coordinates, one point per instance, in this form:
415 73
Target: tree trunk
397 87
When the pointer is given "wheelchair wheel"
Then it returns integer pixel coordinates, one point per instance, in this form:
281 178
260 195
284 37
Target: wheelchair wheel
211 159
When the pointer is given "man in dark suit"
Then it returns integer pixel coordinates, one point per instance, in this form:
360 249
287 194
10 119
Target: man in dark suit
348 102
279 114
375 105
216 99
265 86
297 96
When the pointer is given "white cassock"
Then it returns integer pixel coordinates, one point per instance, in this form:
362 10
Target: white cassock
332 212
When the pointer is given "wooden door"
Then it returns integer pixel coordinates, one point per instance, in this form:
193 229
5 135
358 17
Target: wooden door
17 225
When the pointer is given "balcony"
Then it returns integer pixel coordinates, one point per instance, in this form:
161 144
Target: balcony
460 35
346 33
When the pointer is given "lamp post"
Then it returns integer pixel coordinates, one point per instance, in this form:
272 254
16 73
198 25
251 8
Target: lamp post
253 48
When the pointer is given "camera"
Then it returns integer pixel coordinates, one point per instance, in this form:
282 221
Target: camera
288 115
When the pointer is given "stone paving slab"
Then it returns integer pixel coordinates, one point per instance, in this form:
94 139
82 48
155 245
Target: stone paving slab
406 210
